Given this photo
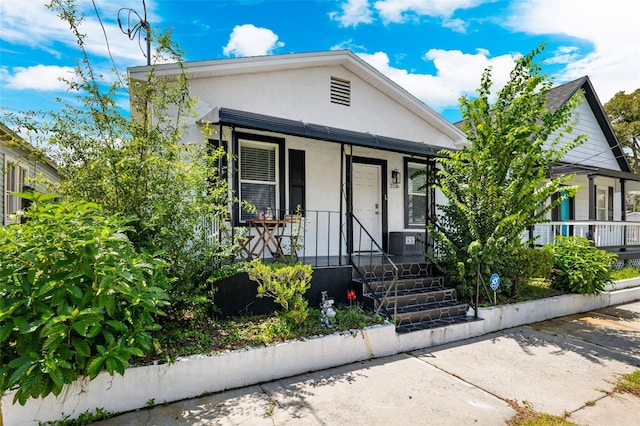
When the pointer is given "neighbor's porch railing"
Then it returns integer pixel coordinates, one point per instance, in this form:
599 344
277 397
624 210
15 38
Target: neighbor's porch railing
603 234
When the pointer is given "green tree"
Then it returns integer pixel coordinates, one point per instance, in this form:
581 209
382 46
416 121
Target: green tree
623 111
499 184
137 164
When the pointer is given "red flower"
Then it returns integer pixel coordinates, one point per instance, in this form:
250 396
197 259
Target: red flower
351 295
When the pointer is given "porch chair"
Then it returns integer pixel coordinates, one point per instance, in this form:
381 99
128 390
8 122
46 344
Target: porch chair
291 237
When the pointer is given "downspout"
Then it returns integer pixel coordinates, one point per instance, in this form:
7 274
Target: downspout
350 204
341 202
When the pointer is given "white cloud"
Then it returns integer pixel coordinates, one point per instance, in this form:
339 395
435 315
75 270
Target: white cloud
353 12
399 11
457 25
611 27
564 55
38 77
249 40
457 74
30 23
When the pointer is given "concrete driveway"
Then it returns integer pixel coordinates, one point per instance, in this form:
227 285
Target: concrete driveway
562 366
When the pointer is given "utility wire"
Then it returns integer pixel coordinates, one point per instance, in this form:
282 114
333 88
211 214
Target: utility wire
106 39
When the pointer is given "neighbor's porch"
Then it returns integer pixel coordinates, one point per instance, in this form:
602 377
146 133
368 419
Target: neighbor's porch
620 237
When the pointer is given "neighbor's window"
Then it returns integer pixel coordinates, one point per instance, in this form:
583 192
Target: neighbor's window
15 176
416 195
259 184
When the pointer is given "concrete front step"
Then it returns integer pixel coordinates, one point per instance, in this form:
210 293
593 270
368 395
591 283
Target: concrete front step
429 312
422 299
404 270
441 322
417 283
407 298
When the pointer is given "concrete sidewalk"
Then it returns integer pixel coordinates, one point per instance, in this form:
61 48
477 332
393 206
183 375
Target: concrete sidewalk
567 365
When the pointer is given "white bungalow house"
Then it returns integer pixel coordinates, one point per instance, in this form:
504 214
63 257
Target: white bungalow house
323 131
18 166
328 135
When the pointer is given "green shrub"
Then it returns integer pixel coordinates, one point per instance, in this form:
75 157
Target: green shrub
527 264
287 284
75 297
579 266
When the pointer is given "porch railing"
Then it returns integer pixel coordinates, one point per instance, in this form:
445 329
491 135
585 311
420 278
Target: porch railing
603 234
317 237
370 262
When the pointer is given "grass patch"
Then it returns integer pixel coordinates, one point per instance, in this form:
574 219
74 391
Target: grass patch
525 416
629 383
537 288
190 336
534 289
625 273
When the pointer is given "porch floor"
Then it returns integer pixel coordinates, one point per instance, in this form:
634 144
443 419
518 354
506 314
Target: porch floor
359 259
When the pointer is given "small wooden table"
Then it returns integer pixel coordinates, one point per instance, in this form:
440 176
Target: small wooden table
267 230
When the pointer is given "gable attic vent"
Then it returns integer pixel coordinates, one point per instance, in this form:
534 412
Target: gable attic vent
340 91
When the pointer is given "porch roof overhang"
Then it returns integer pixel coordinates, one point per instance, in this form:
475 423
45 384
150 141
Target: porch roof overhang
564 168
250 120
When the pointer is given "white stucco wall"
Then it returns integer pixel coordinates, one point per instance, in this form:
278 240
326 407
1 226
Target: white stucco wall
304 94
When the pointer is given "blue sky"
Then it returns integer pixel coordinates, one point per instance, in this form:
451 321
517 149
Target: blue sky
435 49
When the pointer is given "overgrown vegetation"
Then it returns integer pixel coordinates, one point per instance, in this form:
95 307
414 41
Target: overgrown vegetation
526 416
579 266
135 166
629 383
203 335
85 418
286 284
138 164
498 185
75 297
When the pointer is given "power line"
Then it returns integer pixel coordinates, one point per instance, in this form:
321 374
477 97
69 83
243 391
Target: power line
106 39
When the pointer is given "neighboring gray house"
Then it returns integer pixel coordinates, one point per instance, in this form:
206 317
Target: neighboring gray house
598 211
18 165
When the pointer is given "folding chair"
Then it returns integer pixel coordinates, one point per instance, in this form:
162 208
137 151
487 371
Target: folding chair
290 239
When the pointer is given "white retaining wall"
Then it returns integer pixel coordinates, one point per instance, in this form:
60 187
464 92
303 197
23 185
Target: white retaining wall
192 376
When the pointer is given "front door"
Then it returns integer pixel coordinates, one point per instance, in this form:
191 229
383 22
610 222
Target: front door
367 205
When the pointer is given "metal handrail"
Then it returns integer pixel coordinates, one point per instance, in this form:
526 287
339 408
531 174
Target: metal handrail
367 281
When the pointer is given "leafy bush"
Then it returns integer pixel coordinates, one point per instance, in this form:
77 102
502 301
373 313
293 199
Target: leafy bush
579 266
75 297
527 264
287 284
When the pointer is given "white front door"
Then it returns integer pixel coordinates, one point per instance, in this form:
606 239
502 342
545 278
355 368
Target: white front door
367 205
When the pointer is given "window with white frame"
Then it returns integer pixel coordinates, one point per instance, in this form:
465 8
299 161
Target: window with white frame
258 173
604 203
15 176
416 196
